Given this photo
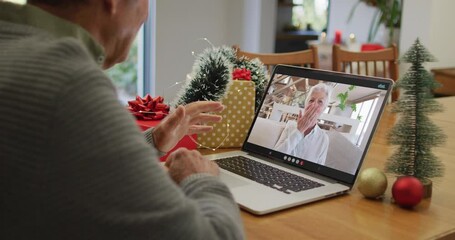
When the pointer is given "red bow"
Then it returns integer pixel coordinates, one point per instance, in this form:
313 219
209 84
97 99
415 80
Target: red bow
241 74
148 108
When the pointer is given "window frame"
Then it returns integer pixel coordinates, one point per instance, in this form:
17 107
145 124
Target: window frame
147 54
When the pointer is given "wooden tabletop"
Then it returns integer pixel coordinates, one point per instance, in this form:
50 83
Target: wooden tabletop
354 217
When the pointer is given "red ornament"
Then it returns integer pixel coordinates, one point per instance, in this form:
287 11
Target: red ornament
407 191
241 74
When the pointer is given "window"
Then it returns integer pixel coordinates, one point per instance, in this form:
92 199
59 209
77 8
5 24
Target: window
300 21
310 14
125 75
363 114
135 76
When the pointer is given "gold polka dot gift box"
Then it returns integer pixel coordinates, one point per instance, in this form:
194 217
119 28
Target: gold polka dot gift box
237 117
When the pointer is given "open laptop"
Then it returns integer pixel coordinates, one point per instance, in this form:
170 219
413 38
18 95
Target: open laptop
264 177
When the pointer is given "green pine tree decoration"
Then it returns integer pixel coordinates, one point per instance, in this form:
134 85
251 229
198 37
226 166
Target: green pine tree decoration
210 77
258 76
414 133
212 74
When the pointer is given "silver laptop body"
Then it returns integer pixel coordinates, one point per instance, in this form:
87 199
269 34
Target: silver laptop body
354 109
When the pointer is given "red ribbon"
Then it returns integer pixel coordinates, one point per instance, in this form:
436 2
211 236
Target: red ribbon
148 108
241 74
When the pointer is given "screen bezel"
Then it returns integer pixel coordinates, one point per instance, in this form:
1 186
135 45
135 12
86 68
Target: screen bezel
327 76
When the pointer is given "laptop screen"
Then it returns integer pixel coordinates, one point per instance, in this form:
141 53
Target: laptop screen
318 120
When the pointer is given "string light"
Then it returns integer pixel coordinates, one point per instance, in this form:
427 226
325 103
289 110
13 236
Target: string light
166 90
210 148
200 145
220 127
207 40
193 53
149 112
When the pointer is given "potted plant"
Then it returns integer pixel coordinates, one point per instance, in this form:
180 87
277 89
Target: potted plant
388 12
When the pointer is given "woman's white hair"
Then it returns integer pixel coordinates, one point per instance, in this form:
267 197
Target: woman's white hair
320 87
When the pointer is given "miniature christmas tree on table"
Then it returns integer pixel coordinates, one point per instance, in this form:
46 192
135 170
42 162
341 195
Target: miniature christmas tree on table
414 133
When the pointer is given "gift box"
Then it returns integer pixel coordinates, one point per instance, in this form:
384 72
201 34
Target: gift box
238 115
185 142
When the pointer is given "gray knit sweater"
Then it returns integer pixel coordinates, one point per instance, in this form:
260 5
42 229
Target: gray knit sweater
73 163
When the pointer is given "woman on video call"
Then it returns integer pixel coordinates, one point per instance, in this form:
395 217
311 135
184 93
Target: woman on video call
304 138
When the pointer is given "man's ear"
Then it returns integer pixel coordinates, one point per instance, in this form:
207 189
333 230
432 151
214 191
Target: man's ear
110 6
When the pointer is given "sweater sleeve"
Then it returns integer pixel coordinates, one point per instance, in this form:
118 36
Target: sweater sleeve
105 180
149 138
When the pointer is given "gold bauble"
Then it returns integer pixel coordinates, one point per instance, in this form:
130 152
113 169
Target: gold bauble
372 183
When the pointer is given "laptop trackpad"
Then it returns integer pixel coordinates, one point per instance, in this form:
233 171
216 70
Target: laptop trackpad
232 181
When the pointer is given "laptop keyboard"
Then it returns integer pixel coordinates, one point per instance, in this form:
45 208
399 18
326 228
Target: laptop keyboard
267 175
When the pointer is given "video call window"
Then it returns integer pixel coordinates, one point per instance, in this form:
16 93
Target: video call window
341 115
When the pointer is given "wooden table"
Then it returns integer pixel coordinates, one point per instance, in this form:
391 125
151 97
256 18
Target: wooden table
354 217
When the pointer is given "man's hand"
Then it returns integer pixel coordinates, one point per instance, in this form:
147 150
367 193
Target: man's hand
183 163
185 120
307 120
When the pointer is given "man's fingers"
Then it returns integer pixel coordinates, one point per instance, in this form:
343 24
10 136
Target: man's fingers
195 108
205 118
311 112
168 162
195 129
311 109
177 115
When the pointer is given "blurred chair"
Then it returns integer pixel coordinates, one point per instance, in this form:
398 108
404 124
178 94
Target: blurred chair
304 58
379 63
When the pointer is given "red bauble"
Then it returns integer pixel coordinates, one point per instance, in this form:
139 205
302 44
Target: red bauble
407 191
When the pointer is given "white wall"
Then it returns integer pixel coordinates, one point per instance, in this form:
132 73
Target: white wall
251 24
180 27
430 21
181 24
338 20
268 26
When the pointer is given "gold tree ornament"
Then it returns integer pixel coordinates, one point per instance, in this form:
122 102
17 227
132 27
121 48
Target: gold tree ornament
372 183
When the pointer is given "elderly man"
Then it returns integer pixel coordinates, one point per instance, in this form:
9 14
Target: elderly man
73 164
304 138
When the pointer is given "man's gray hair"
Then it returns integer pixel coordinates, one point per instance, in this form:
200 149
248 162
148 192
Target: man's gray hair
320 87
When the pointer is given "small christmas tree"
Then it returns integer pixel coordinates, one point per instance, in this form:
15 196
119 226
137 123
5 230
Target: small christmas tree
414 133
212 74
210 78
